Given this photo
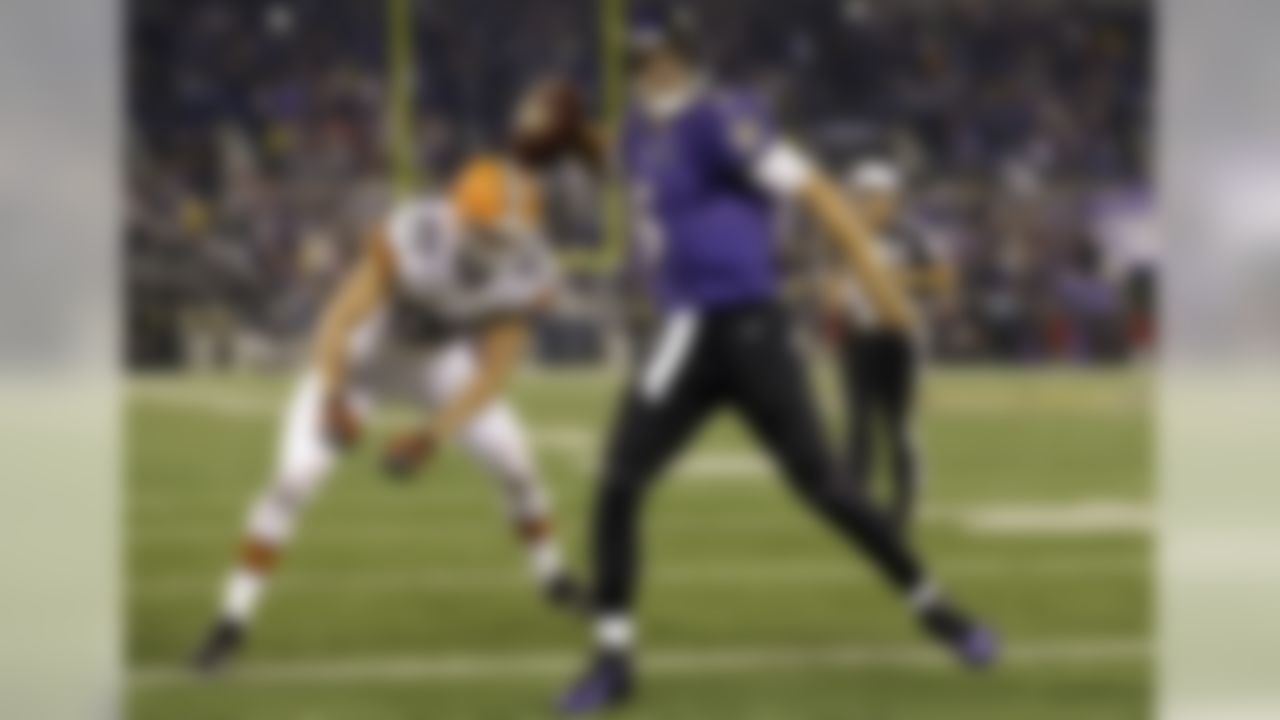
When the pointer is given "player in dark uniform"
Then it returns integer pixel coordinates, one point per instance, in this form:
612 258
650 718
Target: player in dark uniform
704 163
879 363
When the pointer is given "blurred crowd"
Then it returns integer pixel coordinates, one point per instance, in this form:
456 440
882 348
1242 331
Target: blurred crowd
258 149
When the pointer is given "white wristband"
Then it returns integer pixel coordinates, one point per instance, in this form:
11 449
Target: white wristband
782 168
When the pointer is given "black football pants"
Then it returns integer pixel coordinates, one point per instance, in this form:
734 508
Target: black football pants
879 369
743 358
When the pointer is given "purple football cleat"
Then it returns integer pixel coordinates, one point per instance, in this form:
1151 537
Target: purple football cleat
606 684
975 645
979 648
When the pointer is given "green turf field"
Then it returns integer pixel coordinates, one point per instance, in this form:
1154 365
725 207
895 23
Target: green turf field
411 602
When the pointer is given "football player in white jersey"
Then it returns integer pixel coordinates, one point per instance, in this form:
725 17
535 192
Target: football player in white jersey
435 312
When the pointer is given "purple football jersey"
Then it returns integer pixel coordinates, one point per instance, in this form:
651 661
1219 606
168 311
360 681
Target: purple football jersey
695 199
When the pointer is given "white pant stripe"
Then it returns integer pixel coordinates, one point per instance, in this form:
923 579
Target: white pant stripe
669 355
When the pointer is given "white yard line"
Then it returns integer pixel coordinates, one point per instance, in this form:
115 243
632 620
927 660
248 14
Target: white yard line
1091 518
766 574
683 662
1088 518
225 404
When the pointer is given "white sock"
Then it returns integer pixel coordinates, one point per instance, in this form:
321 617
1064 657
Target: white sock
615 633
545 560
241 596
924 597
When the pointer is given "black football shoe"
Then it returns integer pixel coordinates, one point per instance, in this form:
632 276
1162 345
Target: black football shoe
973 644
565 593
220 647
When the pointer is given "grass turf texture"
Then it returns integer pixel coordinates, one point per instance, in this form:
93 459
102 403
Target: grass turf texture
412 602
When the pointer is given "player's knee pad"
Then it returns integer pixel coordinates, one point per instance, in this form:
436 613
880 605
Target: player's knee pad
275 513
497 441
495 437
304 451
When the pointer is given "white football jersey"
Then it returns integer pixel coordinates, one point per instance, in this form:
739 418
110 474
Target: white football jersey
446 284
